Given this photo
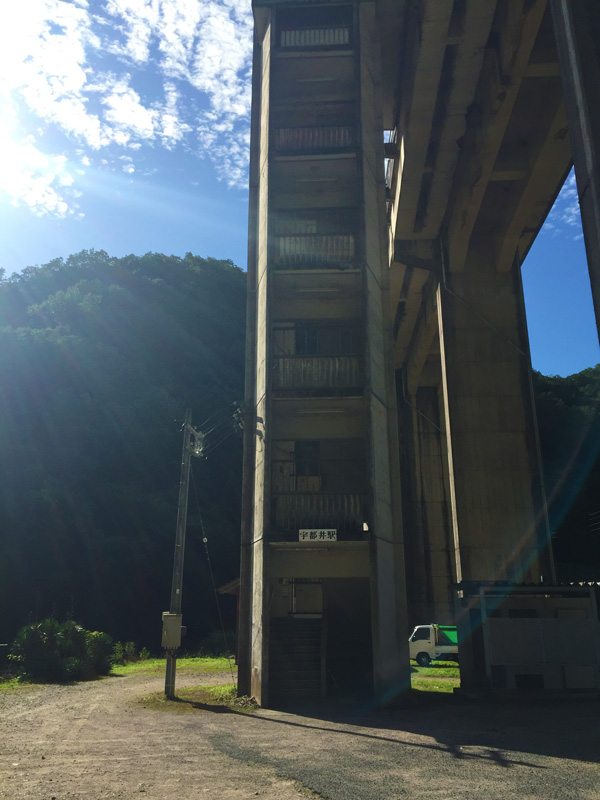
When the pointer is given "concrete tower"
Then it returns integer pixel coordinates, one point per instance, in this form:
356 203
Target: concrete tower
328 609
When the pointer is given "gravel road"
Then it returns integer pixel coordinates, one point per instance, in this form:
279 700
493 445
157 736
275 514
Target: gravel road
93 741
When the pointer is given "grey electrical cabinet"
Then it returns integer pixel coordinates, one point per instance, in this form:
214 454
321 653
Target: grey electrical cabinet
171 630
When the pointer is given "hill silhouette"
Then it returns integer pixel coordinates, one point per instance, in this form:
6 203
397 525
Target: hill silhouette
99 359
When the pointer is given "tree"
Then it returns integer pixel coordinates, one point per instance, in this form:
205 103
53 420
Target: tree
99 359
569 426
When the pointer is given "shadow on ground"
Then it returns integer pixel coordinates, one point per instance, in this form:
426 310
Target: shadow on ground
561 728
217 709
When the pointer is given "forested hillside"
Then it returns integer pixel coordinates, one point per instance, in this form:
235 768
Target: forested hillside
99 358
569 426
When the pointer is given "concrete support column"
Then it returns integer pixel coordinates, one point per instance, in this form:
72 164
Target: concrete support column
414 554
429 551
577 29
438 597
259 640
388 596
244 628
493 471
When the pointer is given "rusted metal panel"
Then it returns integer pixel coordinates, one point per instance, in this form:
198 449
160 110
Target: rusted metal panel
317 372
316 37
325 137
314 250
345 512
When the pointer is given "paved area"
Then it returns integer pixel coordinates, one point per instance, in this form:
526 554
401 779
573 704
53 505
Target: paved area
93 741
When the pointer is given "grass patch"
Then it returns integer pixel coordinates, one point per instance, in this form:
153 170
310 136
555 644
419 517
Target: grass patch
154 666
437 669
15 686
200 698
149 666
432 685
440 676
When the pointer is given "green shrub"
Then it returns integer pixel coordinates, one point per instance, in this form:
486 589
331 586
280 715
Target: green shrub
54 652
100 646
124 653
75 669
118 653
129 652
73 640
35 651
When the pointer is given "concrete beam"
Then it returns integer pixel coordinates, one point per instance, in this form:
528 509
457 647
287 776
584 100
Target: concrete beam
576 27
514 32
415 125
467 60
549 70
507 175
408 297
546 173
338 560
424 333
404 254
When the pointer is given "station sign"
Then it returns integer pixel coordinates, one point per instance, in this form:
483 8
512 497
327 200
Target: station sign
317 535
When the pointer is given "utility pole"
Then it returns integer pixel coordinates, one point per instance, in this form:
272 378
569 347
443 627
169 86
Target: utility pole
171 634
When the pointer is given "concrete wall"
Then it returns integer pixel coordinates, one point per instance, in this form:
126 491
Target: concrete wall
536 639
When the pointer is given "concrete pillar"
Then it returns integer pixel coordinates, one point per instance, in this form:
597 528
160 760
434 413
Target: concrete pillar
244 627
429 553
493 470
388 596
435 510
260 511
414 553
577 30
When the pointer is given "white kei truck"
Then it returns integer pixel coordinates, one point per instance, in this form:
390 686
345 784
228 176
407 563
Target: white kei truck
429 643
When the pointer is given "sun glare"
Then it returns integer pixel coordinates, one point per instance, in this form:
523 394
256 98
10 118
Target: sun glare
27 174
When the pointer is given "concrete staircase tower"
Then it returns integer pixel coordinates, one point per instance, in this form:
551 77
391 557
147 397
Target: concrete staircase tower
322 541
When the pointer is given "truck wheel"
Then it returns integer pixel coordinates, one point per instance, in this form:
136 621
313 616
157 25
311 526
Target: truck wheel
423 659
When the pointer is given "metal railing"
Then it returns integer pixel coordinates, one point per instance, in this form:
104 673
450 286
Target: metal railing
327 137
317 372
313 250
330 36
344 512
313 475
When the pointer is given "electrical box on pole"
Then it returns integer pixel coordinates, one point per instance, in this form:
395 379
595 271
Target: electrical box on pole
171 630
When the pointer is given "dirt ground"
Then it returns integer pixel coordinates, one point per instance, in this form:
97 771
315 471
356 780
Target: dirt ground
96 740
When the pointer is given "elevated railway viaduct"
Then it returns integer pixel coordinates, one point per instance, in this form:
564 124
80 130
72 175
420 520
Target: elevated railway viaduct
404 155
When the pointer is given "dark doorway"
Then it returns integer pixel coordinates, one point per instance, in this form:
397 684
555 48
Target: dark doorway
349 655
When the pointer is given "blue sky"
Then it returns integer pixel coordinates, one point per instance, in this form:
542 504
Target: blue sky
124 126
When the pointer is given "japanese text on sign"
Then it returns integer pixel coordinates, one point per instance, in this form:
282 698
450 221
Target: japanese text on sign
317 535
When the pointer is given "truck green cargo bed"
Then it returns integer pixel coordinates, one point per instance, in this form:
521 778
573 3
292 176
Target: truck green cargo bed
448 635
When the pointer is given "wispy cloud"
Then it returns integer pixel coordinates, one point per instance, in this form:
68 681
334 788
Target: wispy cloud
31 177
124 74
127 164
565 217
